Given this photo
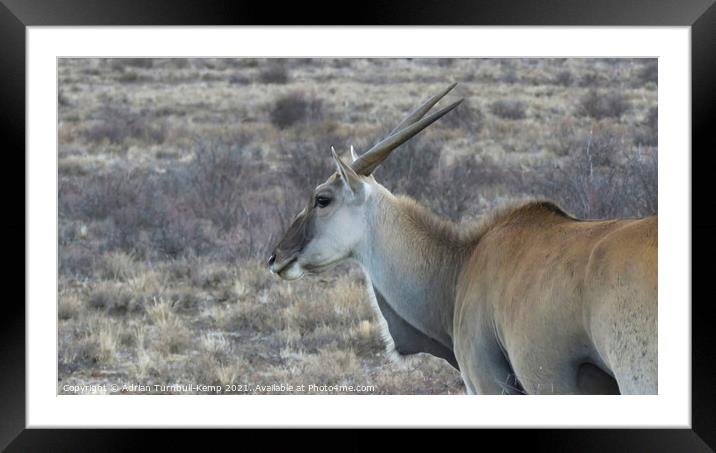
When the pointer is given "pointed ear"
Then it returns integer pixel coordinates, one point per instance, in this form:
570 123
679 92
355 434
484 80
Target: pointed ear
354 155
349 176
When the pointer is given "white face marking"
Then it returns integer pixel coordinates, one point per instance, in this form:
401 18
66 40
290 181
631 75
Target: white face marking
335 230
323 234
335 236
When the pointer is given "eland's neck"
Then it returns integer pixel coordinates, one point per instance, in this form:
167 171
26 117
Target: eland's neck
413 259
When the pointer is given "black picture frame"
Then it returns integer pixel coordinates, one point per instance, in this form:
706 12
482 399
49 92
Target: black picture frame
700 15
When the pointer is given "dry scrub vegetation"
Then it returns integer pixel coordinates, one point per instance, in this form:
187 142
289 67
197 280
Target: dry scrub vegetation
177 175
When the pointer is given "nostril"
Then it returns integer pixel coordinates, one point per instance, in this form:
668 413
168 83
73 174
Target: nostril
272 259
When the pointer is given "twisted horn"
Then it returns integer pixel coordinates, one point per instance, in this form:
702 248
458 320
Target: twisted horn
418 113
414 123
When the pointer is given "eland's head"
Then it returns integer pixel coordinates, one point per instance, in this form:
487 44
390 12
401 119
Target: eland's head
336 217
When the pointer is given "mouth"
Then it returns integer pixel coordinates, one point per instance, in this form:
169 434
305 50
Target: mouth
318 268
291 269
283 267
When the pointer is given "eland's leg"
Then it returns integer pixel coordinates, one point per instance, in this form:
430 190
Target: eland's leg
626 339
469 387
636 375
486 371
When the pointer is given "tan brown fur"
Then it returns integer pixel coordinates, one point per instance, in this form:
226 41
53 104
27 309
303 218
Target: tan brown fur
560 293
469 233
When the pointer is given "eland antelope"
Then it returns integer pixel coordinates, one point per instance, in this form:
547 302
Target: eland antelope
528 300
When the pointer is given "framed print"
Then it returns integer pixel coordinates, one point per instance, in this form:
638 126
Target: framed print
485 253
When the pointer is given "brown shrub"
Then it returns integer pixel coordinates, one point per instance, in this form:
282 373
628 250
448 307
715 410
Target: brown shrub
599 105
117 123
621 189
509 109
275 73
591 79
605 142
102 195
216 176
469 119
131 77
121 63
313 151
76 260
648 133
296 108
459 185
410 166
564 78
239 79
176 233
565 136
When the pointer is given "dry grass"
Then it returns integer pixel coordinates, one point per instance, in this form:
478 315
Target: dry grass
266 332
176 176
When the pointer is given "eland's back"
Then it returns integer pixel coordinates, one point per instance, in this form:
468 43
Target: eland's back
573 303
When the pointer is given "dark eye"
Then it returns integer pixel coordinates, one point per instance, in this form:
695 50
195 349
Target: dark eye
322 201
